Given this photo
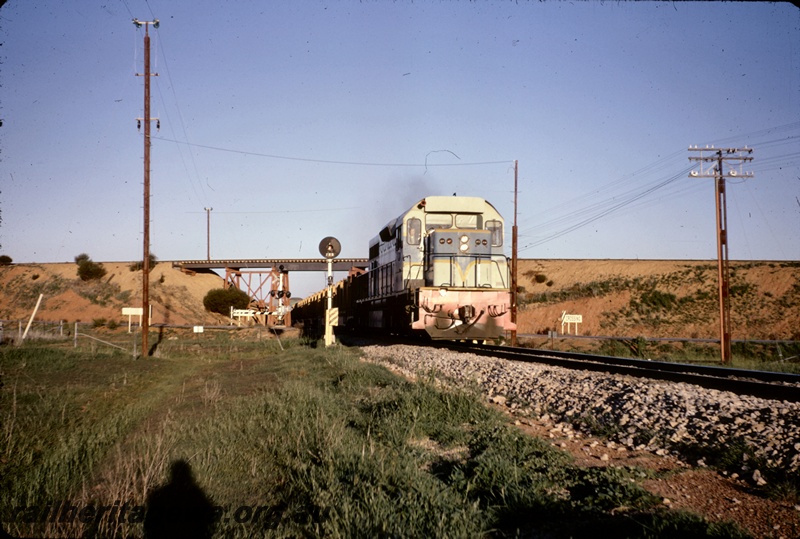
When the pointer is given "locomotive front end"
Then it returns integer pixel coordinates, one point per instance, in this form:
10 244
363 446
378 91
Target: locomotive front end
438 268
464 303
466 292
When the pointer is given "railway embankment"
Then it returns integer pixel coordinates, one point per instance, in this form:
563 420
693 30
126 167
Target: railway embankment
659 298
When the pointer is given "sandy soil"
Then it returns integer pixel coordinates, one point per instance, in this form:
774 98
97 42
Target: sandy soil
177 297
765 305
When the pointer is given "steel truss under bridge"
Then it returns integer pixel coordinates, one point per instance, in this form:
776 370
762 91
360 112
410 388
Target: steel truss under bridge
266 281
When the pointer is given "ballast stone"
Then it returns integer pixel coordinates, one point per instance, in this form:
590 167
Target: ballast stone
666 414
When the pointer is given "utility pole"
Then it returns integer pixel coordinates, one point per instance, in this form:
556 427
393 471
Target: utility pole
715 158
208 233
514 260
147 119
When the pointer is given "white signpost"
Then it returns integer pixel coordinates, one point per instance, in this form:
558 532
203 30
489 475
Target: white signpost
136 311
570 319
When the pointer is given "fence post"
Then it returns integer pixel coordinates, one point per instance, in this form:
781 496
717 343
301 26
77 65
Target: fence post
33 315
75 333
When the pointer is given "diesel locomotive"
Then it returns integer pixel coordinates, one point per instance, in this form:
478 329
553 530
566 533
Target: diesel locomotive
438 268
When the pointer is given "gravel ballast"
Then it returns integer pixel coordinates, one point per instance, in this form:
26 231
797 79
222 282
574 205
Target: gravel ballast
649 415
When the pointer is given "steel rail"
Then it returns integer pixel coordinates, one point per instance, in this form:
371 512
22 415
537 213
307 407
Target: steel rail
762 384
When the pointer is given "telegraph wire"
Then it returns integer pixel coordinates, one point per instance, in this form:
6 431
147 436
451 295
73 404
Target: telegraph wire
128 9
597 210
203 196
608 210
332 162
279 211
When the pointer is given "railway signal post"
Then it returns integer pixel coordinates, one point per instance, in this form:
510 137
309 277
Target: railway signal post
330 248
716 157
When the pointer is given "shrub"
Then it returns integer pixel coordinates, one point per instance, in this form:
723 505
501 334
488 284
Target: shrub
139 264
5 260
657 300
220 300
540 278
90 271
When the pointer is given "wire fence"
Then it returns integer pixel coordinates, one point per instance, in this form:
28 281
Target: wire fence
100 338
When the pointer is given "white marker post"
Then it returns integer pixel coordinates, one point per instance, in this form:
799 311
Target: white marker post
33 315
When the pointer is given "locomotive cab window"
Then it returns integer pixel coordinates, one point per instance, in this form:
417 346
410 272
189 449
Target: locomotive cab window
468 220
438 220
414 231
496 228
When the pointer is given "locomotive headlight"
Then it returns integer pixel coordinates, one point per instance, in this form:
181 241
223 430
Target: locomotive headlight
449 241
464 238
464 247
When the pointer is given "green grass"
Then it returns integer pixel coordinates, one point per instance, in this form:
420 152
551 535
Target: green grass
293 441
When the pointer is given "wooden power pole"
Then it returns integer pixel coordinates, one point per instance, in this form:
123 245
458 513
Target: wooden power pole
716 157
514 259
146 252
208 232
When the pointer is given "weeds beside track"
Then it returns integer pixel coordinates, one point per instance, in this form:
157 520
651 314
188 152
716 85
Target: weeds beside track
302 441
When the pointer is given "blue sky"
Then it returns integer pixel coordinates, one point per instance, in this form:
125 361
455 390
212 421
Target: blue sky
300 120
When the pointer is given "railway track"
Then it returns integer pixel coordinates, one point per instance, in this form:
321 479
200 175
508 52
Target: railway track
762 384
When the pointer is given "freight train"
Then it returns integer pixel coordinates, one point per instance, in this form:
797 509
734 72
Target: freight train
438 268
